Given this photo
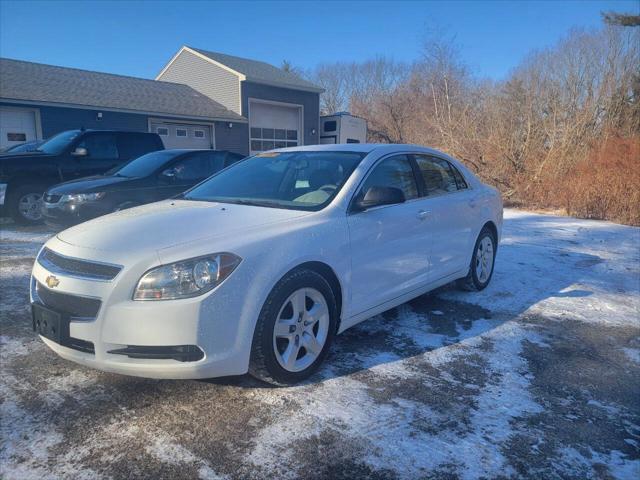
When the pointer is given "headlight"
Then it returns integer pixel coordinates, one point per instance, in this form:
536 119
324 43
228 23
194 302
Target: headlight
187 278
82 197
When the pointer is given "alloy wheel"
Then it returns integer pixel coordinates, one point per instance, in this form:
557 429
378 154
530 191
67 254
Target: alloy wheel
484 259
30 206
301 329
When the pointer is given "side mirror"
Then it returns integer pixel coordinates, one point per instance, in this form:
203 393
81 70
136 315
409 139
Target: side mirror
169 174
80 152
377 196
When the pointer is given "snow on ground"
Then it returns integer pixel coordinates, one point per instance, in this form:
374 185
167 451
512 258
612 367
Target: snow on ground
538 376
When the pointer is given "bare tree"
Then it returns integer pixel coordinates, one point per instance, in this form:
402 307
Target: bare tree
621 19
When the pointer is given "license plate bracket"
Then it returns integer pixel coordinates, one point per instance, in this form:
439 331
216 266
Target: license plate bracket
49 323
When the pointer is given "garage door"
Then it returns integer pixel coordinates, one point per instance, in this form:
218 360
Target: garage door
274 126
16 126
183 135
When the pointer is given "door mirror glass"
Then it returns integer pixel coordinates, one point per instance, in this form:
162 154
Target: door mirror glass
377 196
80 152
169 174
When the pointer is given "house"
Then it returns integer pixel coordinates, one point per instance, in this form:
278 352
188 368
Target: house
37 101
200 99
282 109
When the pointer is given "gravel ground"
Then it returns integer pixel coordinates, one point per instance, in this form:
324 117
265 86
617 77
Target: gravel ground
538 376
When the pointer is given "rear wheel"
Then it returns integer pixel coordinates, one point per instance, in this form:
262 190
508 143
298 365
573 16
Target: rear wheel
24 204
295 329
482 261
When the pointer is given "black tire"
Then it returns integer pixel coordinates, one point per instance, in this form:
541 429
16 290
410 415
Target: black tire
471 282
13 203
263 364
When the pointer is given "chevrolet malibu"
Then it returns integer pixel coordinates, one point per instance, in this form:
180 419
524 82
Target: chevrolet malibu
257 268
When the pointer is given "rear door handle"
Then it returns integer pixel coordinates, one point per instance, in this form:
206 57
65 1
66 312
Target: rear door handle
473 203
423 214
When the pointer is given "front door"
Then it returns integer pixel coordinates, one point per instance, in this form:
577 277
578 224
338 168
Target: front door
389 244
101 155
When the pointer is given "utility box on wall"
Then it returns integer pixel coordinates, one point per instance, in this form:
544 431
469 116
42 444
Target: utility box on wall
342 127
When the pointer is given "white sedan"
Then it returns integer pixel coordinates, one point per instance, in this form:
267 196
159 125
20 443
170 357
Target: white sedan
257 268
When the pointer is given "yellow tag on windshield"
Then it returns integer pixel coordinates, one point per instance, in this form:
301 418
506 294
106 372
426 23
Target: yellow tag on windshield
268 154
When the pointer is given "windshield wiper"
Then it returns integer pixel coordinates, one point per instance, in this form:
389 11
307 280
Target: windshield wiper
238 201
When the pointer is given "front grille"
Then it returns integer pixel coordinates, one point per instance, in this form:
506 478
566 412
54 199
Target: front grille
52 198
57 263
72 305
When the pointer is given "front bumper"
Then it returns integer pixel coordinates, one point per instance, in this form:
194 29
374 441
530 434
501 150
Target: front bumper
218 324
62 214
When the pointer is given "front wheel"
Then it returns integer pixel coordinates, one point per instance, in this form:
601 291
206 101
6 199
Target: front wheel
25 204
294 330
482 261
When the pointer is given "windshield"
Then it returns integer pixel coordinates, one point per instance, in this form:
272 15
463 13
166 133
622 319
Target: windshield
144 165
293 180
56 144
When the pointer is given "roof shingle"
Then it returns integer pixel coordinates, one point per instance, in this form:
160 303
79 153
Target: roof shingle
260 72
37 82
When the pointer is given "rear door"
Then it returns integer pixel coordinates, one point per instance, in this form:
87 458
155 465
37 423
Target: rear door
102 155
450 210
388 248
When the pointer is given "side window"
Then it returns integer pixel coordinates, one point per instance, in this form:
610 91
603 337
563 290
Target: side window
193 168
216 161
437 175
462 183
133 145
100 146
330 126
393 172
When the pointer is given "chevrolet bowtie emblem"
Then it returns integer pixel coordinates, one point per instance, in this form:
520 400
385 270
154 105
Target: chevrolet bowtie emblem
52 281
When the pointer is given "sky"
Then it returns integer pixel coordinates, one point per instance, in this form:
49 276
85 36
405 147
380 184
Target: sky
139 37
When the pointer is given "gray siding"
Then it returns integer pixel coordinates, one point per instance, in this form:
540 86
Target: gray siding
309 100
234 139
205 77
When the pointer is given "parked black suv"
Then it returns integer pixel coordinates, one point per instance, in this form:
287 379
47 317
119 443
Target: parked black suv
67 156
152 177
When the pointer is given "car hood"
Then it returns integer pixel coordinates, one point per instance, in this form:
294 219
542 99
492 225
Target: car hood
169 223
88 184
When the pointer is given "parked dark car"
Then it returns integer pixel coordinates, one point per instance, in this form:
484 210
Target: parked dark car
66 156
31 146
149 178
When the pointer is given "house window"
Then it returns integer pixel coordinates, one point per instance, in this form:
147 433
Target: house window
163 131
198 133
180 132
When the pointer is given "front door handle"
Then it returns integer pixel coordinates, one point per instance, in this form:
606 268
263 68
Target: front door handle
423 214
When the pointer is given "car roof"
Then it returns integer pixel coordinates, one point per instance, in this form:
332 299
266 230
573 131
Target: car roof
381 148
189 150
